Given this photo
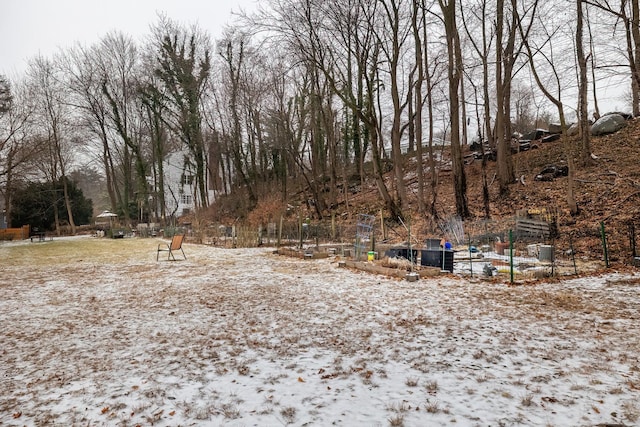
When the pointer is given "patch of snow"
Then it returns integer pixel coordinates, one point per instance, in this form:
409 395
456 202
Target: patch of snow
105 335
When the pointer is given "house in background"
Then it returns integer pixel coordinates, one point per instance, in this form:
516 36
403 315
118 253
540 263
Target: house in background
180 184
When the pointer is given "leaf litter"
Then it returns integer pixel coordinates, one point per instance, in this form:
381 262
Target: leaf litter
96 332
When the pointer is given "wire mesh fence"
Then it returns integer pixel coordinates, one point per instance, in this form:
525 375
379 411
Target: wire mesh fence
529 244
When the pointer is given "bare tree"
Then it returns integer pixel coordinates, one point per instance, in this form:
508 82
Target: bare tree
545 53
84 74
482 47
583 88
17 144
52 115
184 66
121 89
391 38
628 13
507 55
153 103
316 31
418 26
449 8
232 51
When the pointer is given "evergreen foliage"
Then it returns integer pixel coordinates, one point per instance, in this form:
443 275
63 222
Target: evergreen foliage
35 204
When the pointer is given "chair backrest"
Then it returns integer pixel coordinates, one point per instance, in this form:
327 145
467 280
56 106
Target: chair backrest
176 242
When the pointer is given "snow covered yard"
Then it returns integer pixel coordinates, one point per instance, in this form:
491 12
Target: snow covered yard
96 332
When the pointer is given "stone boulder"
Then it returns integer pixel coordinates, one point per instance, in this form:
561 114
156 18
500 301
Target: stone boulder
607 124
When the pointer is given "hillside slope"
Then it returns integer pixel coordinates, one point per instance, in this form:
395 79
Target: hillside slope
607 191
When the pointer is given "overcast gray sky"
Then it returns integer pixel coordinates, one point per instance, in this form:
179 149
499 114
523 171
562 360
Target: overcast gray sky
29 27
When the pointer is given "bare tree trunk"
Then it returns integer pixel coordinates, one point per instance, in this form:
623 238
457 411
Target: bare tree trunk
583 86
571 200
393 17
635 70
504 71
596 109
418 5
484 54
454 75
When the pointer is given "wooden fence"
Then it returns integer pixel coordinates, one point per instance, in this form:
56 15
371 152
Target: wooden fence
15 233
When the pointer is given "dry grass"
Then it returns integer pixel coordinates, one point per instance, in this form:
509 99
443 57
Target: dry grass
412 381
287 341
527 400
432 406
288 414
396 420
431 386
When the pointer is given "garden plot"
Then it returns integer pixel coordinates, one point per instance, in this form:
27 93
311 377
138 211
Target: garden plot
96 332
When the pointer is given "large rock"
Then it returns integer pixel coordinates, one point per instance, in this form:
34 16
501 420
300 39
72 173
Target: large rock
534 135
573 130
555 128
608 124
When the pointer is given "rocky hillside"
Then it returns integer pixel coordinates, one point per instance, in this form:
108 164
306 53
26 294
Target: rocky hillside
606 191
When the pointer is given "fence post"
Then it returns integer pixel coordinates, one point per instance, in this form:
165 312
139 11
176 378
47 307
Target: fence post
573 254
470 258
632 242
604 244
511 254
300 228
234 236
333 226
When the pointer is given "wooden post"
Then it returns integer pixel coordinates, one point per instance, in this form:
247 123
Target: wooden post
511 254
470 257
300 228
234 236
604 244
333 226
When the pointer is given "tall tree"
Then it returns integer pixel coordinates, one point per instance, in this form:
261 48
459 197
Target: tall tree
121 88
155 109
542 57
418 26
628 13
184 67
311 29
52 114
507 55
233 53
482 47
18 146
583 87
85 70
454 74
392 36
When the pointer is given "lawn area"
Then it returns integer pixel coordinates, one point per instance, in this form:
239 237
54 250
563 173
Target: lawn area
97 332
